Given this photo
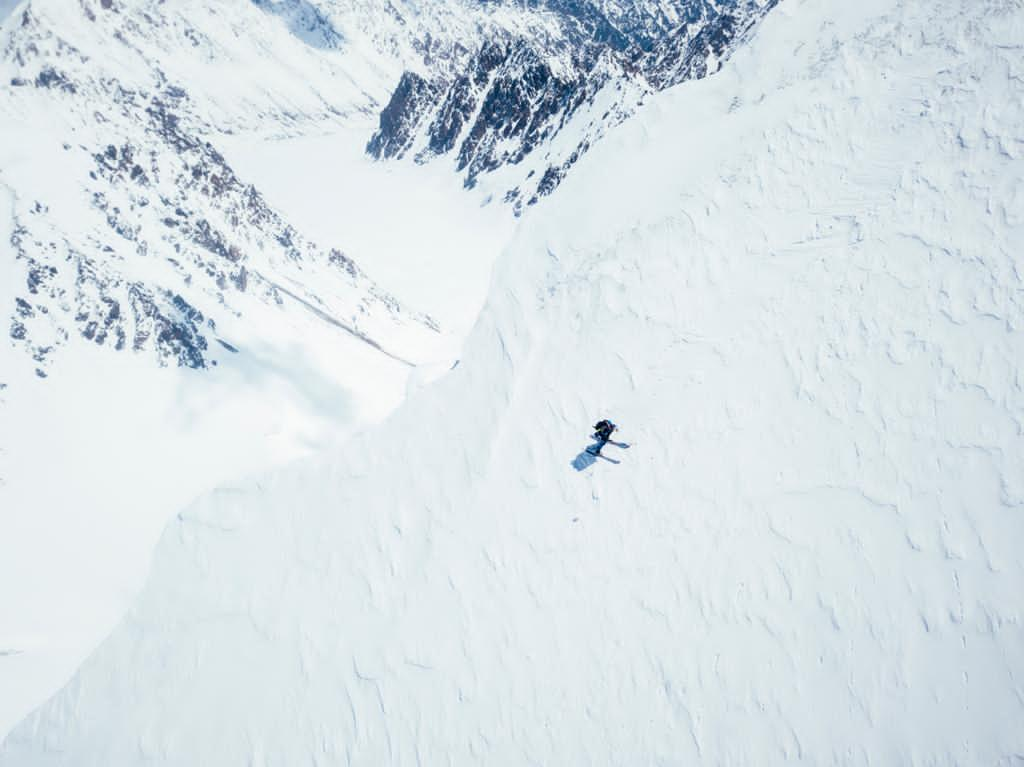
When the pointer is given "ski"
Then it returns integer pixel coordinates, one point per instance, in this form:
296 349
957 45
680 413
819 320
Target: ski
603 436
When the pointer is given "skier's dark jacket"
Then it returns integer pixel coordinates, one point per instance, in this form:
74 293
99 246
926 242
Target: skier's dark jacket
603 430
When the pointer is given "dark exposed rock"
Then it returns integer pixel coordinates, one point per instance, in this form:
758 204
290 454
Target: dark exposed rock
285 238
240 279
510 96
343 262
23 308
522 107
455 110
113 160
400 118
167 125
685 53
177 338
588 22
213 241
38 275
51 78
551 179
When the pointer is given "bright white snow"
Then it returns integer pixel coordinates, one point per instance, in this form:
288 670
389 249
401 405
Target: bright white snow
796 286
413 228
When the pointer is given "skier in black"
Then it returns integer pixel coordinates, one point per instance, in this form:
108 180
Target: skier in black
603 433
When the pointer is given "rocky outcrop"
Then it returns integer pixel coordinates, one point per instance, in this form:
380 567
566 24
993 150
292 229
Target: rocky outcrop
398 121
701 45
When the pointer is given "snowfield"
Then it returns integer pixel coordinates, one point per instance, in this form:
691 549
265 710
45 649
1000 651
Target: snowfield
797 288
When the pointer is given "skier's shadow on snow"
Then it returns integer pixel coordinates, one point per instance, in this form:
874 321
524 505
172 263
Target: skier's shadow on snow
588 457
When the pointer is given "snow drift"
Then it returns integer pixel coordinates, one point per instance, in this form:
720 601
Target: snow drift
795 286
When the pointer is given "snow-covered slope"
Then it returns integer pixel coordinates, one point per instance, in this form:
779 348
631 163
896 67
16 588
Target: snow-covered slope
795 286
183 187
166 325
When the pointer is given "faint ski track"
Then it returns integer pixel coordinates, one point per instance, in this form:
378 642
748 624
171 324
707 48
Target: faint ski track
337 323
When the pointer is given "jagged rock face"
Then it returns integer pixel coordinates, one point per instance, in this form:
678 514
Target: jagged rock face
413 95
698 47
515 94
512 102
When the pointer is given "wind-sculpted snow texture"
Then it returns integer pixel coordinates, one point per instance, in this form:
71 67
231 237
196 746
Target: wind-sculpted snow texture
809 330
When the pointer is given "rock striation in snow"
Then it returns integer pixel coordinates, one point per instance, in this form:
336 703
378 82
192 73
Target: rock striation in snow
795 286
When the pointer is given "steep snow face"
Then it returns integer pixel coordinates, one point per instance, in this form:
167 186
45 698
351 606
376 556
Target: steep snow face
795 288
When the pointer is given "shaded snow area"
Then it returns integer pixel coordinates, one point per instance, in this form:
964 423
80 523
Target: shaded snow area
796 287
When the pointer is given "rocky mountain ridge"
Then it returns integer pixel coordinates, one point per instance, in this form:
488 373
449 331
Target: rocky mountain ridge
117 106
514 94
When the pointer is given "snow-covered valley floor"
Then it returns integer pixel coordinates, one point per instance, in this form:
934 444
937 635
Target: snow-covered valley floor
797 288
412 227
